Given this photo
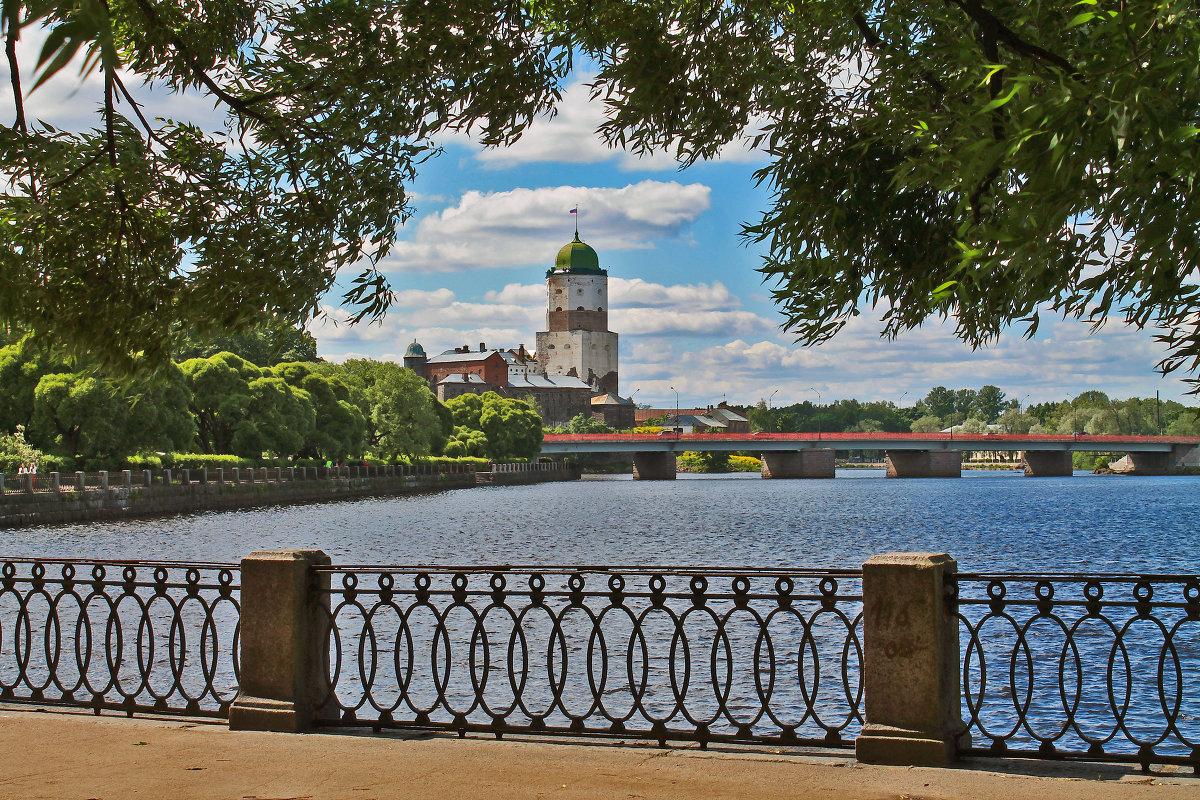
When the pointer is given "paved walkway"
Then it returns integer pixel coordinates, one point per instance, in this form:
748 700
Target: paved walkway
66 754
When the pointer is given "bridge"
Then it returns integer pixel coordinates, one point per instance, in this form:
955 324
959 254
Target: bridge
907 455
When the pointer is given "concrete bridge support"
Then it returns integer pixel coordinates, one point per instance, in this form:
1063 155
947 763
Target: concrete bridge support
924 464
1149 463
1047 463
800 464
1185 455
654 466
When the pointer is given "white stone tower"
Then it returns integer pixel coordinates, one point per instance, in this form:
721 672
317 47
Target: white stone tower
577 340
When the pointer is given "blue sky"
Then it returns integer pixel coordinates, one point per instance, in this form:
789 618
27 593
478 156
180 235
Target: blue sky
691 310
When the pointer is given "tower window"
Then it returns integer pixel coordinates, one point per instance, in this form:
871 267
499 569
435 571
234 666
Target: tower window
558 291
600 309
579 309
558 309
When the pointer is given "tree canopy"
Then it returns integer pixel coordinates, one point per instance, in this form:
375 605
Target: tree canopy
969 160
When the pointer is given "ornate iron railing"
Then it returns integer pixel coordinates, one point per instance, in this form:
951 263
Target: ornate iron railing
660 654
129 636
1096 667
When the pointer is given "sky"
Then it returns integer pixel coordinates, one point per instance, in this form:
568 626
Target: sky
691 311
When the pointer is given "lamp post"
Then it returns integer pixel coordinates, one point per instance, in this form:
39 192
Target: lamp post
811 389
772 397
676 391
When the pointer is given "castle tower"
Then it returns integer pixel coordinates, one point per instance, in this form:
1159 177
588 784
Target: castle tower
577 340
415 358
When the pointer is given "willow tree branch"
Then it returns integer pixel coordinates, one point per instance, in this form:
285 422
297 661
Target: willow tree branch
987 20
14 71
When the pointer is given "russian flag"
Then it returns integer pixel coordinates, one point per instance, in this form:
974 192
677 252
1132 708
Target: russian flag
575 210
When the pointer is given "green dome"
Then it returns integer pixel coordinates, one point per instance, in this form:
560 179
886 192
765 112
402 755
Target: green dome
414 351
577 257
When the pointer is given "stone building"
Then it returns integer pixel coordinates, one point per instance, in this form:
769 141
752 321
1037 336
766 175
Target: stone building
574 369
577 340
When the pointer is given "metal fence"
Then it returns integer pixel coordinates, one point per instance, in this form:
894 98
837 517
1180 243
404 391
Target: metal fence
1096 667
128 636
659 654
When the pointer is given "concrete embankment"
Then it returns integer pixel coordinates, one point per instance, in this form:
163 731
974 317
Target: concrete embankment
151 499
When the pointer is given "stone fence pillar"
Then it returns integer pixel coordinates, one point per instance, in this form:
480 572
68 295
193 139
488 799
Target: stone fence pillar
127 478
54 483
283 646
910 662
81 481
103 479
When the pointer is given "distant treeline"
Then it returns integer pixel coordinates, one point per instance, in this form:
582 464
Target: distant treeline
977 410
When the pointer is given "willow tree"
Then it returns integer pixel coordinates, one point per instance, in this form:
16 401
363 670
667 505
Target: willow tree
974 160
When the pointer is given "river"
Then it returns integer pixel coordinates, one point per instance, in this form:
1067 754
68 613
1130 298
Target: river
995 521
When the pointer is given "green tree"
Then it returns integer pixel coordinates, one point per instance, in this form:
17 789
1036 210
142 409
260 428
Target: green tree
220 398
1014 421
264 345
973 425
513 429
586 423
464 442
969 161
1186 424
466 410
16 452
939 402
329 109
989 402
78 416
403 418
340 427
279 420
22 365
927 424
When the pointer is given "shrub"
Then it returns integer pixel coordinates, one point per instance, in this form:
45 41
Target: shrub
745 464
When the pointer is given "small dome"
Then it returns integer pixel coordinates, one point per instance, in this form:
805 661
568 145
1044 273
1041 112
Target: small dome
414 351
577 257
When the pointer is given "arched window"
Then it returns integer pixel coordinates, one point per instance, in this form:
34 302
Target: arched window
600 309
558 309
579 309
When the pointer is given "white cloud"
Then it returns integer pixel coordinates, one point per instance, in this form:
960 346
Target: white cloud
521 227
531 294
570 137
857 363
661 322
698 297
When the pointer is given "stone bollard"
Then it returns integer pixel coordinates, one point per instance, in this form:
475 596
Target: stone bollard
283 641
104 479
910 662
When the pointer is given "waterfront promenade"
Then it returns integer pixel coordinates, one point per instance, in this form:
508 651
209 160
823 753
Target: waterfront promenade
75 755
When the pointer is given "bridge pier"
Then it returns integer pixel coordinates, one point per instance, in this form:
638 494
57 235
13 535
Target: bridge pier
798 464
1047 463
654 466
924 463
1149 463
